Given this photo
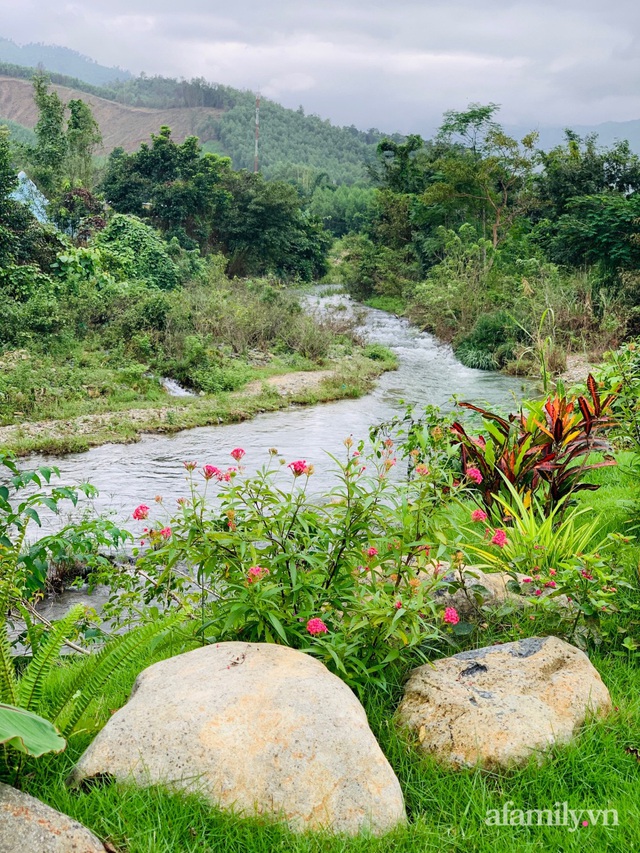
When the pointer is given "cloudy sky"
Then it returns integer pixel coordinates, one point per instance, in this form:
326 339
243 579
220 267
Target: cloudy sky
392 64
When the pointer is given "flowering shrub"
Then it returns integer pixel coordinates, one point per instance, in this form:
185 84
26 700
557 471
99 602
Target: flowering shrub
549 556
340 577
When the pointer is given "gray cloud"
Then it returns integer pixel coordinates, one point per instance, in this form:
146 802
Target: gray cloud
394 65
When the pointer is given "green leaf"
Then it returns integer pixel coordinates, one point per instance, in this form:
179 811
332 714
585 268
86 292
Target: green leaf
28 732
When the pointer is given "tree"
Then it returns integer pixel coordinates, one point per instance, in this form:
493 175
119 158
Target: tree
83 138
50 152
581 168
492 172
177 187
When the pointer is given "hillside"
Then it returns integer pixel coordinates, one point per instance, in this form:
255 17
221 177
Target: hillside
61 60
121 125
292 145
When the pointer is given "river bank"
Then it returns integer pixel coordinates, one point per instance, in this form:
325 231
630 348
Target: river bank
349 377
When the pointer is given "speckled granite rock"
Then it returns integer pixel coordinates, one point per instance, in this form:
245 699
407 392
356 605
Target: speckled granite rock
29 826
257 728
499 705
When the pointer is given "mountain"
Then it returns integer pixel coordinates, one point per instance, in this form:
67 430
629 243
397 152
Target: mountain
607 132
292 144
61 60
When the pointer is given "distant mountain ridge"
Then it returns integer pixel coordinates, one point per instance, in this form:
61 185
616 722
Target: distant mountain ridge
61 60
292 145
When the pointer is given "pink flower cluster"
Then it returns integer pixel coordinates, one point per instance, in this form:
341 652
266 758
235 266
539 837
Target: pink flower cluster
209 472
451 616
257 573
422 470
237 453
300 467
141 512
475 475
499 538
316 626
371 552
479 515
165 533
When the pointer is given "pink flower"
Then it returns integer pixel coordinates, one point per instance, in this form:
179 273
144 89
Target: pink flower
538 592
451 616
499 538
551 584
300 467
475 475
141 512
182 501
190 466
316 626
583 572
527 580
422 470
210 471
237 453
479 515
398 604
256 573
165 533
371 552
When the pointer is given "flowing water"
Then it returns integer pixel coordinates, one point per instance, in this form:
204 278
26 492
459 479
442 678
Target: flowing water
128 475
428 373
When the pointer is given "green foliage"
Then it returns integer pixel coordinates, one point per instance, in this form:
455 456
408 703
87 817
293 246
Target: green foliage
546 450
491 342
50 153
548 555
140 251
335 577
27 732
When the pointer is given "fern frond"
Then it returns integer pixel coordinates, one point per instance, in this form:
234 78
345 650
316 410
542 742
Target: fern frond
8 680
107 663
31 684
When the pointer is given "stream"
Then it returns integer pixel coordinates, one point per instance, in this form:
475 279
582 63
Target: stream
128 475
428 373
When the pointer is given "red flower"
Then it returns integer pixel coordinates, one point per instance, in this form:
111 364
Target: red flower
210 471
141 512
398 604
316 626
237 453
300 467
256 573
499 538
451 616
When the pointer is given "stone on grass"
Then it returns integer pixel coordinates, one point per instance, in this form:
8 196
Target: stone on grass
29 826
498 706
258 729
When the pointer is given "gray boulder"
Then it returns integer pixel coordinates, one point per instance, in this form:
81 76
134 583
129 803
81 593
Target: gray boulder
258 729
29 826
497 706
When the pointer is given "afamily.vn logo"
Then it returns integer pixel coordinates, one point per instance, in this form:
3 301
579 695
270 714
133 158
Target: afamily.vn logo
559 815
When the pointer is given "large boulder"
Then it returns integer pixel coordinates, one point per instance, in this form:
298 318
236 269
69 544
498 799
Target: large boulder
256 728
497 706
29 826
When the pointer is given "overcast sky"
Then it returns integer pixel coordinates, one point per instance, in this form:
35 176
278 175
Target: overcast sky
392 64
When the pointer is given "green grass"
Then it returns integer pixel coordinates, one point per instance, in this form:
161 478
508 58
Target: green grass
392 304
446 809
352 377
